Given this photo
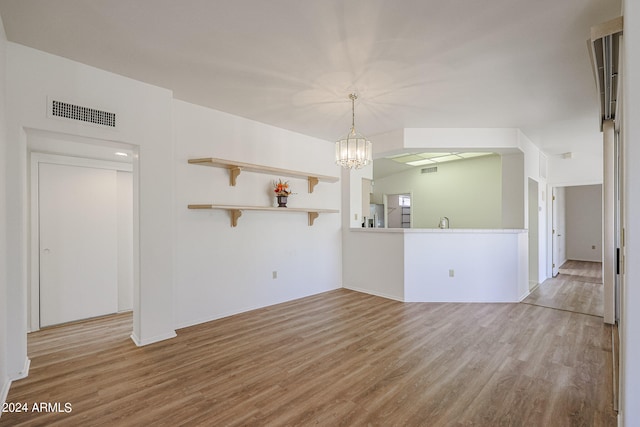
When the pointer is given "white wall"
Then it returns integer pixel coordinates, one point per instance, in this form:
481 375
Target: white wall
389 142
125 240
144 122
583 216
630 322
536 168
582 169
468 192
484 139
487 267
376 262
4 320
221 270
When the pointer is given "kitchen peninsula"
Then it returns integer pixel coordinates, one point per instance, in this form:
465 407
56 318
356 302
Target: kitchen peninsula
440 265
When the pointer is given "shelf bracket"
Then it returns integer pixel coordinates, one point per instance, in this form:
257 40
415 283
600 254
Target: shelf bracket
313 181
312 217
235 214
233 174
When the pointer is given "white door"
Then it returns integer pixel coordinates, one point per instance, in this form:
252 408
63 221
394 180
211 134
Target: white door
78 242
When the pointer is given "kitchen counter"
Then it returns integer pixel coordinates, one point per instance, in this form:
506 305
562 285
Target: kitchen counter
438 265
441 230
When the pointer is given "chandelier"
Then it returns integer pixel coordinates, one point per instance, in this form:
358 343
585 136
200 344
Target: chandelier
353 151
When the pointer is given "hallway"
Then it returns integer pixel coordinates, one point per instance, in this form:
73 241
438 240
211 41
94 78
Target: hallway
577 288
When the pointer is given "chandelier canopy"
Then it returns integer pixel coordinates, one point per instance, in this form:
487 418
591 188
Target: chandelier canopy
353 151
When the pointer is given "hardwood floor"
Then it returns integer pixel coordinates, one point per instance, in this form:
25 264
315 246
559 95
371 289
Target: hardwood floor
578 288
337 358
586 271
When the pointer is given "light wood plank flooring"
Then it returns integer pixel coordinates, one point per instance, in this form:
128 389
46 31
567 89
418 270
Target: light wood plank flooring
586 271
578 288
339 358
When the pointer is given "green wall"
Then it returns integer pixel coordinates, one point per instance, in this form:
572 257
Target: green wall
468 192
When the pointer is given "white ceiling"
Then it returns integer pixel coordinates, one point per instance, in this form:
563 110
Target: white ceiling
292 63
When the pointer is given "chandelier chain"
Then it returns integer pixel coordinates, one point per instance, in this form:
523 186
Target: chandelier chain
353 98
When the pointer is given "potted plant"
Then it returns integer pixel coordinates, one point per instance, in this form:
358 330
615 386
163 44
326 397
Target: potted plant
281 188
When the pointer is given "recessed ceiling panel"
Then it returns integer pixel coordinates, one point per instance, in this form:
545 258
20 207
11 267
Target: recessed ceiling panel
470 155
408 158
448 158
421 159
421 162
432 155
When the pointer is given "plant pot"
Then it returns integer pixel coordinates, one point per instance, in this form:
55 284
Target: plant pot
282 201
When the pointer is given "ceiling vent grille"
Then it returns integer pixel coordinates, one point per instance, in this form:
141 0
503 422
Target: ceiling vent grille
431 169
85 114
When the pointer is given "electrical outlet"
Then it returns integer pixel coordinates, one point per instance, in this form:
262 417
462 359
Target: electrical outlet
451 273
274 274
355 216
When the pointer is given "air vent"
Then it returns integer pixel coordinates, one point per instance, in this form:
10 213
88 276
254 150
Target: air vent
432 169
85 114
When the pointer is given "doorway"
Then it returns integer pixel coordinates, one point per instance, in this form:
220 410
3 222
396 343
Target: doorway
577 224
577 247
398 208
81 262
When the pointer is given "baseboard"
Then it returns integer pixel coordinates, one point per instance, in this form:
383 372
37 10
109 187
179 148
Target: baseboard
24 373
157 338
370 292
615 351
218 316
4 392
526 294
529 292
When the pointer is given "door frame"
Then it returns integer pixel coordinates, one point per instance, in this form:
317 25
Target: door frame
555 263
33 291
385 202
534 238
609 221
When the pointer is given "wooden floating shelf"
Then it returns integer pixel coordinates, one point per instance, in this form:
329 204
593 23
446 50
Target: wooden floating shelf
236 211
236 167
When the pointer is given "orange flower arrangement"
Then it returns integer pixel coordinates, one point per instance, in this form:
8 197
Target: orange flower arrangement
281 188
